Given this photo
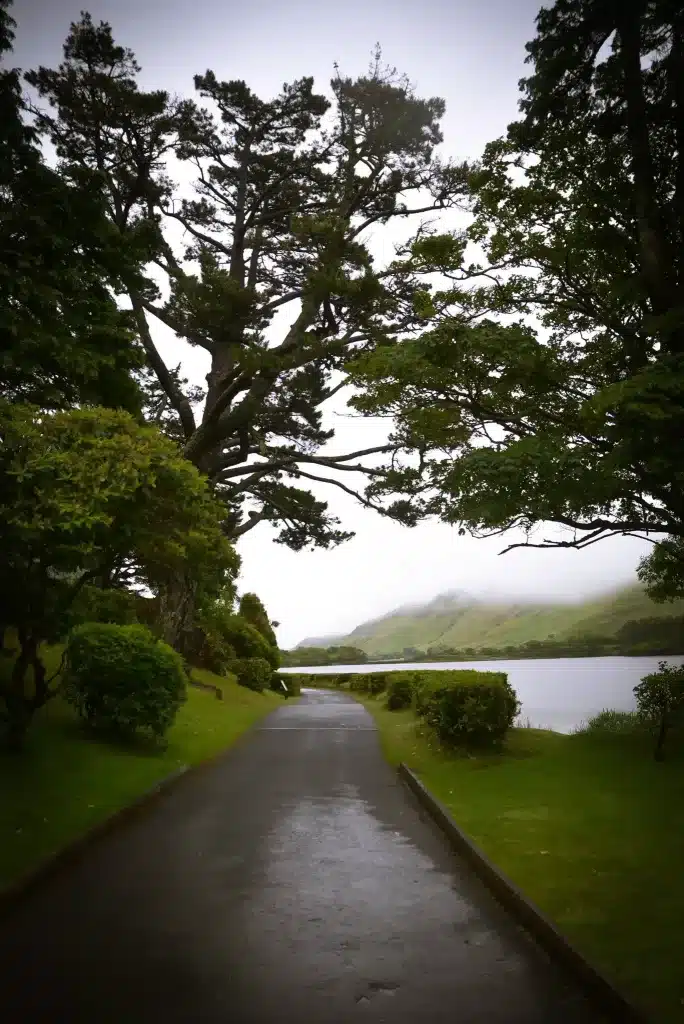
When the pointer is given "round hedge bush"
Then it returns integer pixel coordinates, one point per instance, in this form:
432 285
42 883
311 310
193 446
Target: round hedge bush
122 679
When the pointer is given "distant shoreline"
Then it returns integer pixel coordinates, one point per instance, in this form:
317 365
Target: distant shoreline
546 656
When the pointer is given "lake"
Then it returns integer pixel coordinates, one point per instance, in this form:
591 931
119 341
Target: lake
557 693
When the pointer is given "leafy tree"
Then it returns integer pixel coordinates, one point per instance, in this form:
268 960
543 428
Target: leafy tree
78 490
287 193
578 420
663 570
660 700
254 612
62 337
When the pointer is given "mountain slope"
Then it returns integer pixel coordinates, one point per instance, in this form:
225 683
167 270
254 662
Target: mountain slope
459 621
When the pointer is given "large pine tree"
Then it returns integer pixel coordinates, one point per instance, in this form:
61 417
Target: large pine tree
63 338
287 192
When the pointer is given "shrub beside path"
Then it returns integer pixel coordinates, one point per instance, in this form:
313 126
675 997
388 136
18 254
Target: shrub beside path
294 880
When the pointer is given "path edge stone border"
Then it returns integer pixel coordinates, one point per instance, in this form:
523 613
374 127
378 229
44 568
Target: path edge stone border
604 994
75 850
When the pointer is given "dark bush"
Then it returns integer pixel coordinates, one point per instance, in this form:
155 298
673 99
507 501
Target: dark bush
400 690
147 612
123 679
287 684
254 673
377 681
371 683
95 604
660 701
220 637
473 712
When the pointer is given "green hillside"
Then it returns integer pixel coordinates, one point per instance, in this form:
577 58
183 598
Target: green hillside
459 621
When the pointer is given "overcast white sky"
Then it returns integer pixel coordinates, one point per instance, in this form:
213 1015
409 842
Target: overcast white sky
473 56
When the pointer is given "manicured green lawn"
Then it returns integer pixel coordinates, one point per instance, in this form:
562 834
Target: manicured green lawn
65 782
590 827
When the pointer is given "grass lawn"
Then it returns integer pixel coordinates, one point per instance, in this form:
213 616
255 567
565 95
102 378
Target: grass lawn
589 826
65 782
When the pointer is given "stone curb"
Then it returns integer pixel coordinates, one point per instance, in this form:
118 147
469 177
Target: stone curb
68 855
616 1007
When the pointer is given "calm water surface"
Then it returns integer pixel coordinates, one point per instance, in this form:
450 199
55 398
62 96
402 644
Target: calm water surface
556 693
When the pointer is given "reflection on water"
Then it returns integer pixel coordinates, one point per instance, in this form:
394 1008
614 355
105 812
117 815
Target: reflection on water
556 693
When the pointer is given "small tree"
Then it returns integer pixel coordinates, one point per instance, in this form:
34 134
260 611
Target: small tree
660 700
254 612
63 339
79 490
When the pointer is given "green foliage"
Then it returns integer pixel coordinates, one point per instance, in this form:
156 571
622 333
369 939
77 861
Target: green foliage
254 612
371 683
471 709
613 723
662 571
303 190
121 679
97 604
63 339
254 673
576 416
465 708
663 635
79 491
285 683
400 687
339 655
660 701
248 642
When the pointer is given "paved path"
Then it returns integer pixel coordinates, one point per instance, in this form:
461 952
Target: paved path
294 881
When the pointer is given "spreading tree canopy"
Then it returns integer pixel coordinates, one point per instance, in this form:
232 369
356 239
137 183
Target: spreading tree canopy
553 391
82 490
276 284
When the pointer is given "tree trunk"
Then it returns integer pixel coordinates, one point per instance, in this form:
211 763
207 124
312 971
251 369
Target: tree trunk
659 752
177 611
18 705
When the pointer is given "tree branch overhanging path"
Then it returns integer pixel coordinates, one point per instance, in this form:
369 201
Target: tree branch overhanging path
578 420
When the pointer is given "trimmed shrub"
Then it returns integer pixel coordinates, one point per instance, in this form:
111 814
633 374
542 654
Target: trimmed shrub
377 682
371 683
660 701
254 673
123 679
400 690
471 709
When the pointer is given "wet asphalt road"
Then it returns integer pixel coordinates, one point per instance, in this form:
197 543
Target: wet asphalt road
295 880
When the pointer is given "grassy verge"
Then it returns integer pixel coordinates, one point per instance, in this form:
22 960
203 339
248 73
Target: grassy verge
589 826
65 782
